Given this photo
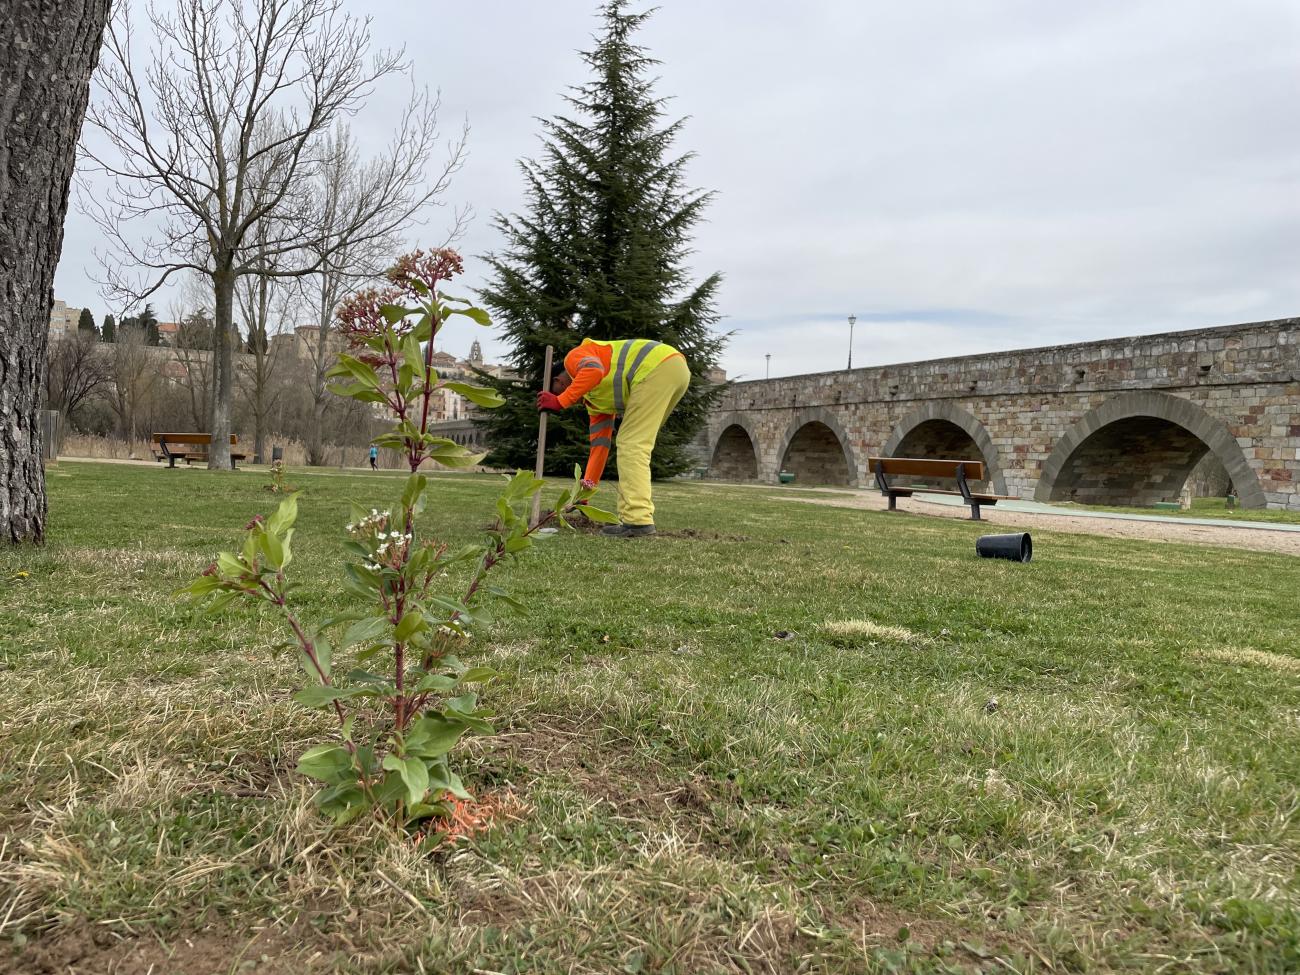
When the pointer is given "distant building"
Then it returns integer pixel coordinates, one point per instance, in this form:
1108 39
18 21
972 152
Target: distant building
306 340
63 320
168 333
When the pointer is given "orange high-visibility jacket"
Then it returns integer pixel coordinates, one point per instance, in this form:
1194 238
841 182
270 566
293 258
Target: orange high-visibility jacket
604 373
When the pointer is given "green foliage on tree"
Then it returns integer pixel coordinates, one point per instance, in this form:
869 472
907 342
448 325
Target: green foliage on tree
146 321
109 331
86 323
602 253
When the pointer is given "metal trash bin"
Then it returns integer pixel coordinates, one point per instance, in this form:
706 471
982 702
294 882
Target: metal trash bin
277 453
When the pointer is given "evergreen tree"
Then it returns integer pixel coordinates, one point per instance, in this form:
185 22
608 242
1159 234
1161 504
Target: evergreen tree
602 253
86 323
110 328
149 322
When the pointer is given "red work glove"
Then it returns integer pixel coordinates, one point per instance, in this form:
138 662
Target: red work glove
547 400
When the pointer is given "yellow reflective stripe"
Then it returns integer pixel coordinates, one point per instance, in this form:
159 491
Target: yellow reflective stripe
619 393
644 351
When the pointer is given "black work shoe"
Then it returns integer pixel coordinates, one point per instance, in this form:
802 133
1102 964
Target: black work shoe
627 531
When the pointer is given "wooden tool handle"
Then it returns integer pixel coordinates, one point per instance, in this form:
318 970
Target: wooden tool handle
541 437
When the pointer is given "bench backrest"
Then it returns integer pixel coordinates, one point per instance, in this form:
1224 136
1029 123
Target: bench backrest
192 438
917 467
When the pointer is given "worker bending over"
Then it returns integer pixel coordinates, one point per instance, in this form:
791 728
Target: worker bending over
639 379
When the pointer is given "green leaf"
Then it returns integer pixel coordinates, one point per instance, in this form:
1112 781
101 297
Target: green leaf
315 697
413 773
411 356
434 736
600 515
272 549
456 456
483 396
394 313
423 331
439 683
285 515
362 372
410 624
413 494
220 602
476 675
506 598
476 314
456 787
365 631
518 544
229 565
361 581
359 392
201 586
328 763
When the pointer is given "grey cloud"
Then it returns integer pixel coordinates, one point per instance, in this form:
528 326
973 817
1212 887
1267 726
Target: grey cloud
1026 172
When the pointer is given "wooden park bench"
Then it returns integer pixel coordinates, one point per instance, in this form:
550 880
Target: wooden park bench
188 447
963 471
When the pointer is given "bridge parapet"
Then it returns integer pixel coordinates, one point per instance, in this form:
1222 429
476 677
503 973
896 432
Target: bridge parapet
1242 382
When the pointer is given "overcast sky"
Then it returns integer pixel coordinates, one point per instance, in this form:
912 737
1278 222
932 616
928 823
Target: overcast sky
964 177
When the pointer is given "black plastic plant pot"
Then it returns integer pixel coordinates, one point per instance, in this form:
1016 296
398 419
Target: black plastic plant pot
1018 547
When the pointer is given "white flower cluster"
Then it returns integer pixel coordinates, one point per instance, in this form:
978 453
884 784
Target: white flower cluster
376 519
390 540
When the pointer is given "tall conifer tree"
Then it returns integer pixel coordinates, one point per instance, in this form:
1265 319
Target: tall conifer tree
602 253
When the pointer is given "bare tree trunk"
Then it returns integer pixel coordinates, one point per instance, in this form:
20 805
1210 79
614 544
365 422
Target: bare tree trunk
49 51
223 362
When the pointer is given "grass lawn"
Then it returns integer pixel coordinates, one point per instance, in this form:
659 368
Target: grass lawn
1090 763
1202 508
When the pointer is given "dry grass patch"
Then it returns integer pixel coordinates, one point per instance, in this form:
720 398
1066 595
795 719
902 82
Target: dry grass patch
868 629
1258 658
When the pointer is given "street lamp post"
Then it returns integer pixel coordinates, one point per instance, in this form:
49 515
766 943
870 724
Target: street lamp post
852 321
768 357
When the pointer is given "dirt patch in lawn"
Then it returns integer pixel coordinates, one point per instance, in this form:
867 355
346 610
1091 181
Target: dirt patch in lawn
703 535
82 948
612 772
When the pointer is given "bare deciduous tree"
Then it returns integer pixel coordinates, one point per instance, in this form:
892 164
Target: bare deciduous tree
135 372
340 181
193 362
225 129
264 303
48 50
77 369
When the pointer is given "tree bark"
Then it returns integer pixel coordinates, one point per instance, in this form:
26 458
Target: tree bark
223 366
48 49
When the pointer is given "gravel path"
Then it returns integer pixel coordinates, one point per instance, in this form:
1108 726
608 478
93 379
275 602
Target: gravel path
1256 539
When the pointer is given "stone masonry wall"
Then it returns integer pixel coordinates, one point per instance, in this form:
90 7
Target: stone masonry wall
1242 383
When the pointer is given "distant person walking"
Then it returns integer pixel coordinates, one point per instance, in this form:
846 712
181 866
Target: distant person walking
639 379
374 458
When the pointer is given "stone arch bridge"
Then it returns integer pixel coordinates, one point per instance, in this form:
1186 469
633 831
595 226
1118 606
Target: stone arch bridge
1122 421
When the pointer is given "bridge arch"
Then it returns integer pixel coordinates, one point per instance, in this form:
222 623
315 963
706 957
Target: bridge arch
734 455
817 450
947 432
1139 448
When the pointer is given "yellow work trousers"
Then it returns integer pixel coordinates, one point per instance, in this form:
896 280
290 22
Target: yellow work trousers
648 406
